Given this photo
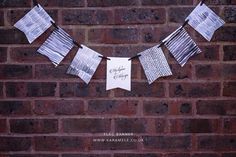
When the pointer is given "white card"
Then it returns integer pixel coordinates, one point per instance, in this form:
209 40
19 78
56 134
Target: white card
154 63
57 46
34 23
205 21
85 63
118 73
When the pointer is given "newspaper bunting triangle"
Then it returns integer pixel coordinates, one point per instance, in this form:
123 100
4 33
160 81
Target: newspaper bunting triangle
57 46
84 63
34 23
118 73
154 63
205 21
181 45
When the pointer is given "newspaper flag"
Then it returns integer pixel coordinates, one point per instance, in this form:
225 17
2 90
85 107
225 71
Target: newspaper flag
57 46
205 21
84 63
34 23
154 63
181 45
118 73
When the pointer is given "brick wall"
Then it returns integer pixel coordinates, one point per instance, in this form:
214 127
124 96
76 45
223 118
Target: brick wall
46 113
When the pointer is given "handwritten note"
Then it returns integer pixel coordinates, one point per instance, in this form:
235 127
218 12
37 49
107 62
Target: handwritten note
118 73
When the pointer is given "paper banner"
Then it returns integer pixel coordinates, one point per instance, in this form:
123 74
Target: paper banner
205 21
34 23
85 63
57 46
154 64
181 45
118 73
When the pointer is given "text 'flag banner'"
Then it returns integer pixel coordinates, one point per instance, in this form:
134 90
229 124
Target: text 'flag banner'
57 46
34 23
85 63
181 45
205 21
118 73
154 64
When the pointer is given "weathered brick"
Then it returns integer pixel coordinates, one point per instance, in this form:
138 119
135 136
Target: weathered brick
229 53
209 53
139 89
109 3
15 144
12 36
140 16
137 155
87 17
3 125
32 155
1 89
225 33
229 89
194 90
216 107
14 3
160 125
86 125
83 90
86 155
15 71
127 51
112 107
155 107
229 71
113 35
3 54
33 126
205 155
167 2
2 19
15 108
62 3
229 125
208 71
192 125
30 89
62 143
229 14
59 107
220 2
216 142
228 154
179 72
130 125
177 155
167 142
179 14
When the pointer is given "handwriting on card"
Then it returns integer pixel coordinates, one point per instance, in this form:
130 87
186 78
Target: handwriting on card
119 73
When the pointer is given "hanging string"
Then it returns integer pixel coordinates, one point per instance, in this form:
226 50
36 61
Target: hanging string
202 2
35 3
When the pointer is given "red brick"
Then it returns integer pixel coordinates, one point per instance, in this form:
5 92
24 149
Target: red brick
14 3
179 14
194 90
33 126
59 107
177 155
15 71
30 89
139 89
12 36
216 142
220 2
229 14
33 155
15 108
2 19
83 90
192 125
229 71
137 155
208 71
228 154
86 155
1 89
155 107
62 3
160 125
209 53
180 107
15 144
87 17
79 35
112 107
205 155
229 89
127 51
166 2
225 33
179 72
216 107
3 54
167 142
62 143
3 125
229 53
229 125
123 125
140 16
113 35
86 125
109 3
